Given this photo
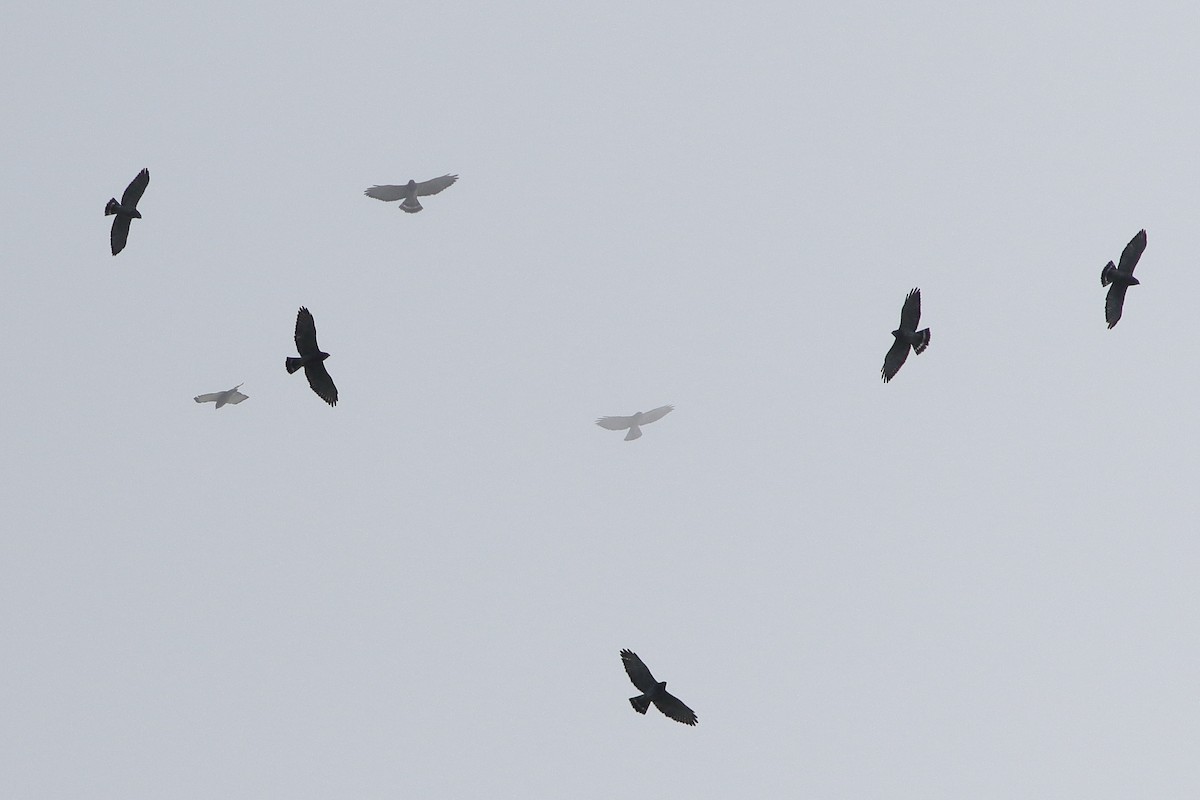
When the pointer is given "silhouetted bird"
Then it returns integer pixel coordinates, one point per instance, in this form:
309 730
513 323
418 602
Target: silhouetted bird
410 191
633 423
311 358
126 210
906 335
1121 278
232 396
653 691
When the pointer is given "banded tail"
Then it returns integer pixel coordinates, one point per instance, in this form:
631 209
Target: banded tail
411 205
113 207
922 341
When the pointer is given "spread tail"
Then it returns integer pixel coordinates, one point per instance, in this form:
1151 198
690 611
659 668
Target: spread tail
112 206
634 433
1105 274
923 342
293 364
640 703
412 205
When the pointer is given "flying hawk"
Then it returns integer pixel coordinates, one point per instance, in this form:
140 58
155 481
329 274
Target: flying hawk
126 210
311 358
907 336
1121 278
410 191
653 691
633 423
231 396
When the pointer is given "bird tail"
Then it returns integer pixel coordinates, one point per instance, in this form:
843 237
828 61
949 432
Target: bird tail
634 433
112 206
640 703
1105 274
293 364
922 341
412 205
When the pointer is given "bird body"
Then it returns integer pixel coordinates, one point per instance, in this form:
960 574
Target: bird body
311 358
230 396
126 210
634 422
1120 278
907 337
409 192
653 691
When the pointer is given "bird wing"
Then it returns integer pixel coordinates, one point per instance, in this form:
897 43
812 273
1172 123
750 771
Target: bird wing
387 192
306 333
1115 302
615 423
637 672
133 192
435 185
211 397
894 359
910 314
656 414
321 383
1130 256
674 708
120 233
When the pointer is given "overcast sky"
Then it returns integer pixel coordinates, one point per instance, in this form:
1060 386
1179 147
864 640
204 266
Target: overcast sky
979 580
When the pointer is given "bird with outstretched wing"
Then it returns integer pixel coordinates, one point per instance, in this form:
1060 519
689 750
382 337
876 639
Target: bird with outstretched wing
653 691
1120 277
634 423
126 210
312 359
907 336
409 192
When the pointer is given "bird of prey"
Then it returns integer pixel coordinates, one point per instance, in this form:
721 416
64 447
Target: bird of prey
653 691
126 210
410 191
311 358
1121 278
906 335
635 422
232 396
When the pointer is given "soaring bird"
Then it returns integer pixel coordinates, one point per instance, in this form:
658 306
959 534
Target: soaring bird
126 210
633 423
311 358
410 191
231 396
1121 278
906 335
653 691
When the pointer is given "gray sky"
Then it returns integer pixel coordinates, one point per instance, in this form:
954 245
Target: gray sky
976 581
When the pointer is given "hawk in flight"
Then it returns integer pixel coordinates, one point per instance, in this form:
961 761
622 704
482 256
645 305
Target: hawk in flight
635 422
653 691
907 336
311 358
126 210
232 396
410 191
1121 278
